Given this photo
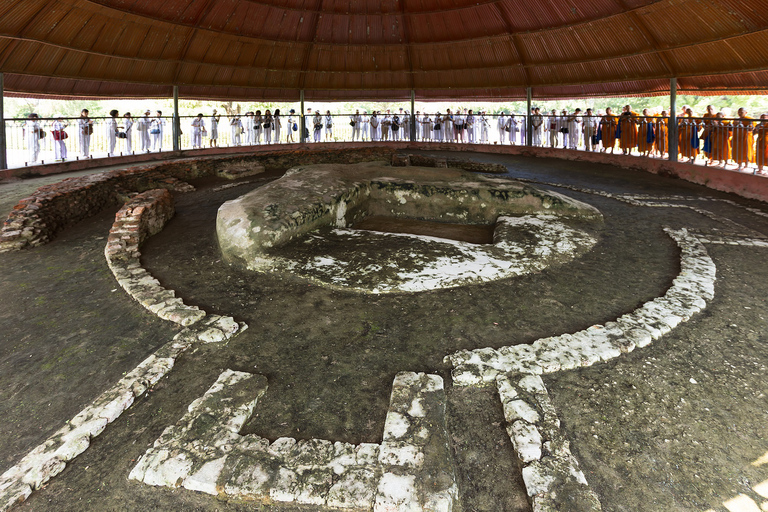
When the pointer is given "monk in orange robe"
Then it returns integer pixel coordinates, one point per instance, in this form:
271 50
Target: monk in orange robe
741 147
761 144
720 138
608 130
688 136
646 133
628 130
662 133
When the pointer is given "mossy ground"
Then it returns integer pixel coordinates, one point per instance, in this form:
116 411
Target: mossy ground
646 437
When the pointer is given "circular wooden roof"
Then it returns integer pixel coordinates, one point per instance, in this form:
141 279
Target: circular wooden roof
382 49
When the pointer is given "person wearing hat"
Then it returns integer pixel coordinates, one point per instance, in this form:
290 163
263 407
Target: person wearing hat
85 125
156 130
291 123
59 136
32 132
214 136
143 127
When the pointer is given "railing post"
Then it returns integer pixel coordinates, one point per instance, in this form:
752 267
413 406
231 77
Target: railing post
176 130
413 115
672 129
528 120
301 116
3 154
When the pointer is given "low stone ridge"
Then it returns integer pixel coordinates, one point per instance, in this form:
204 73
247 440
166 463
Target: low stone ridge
688 295
410 470
36 219
141 217
551 473
51 457
252 227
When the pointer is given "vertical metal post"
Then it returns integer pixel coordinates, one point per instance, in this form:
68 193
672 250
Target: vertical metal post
176 121
413 115
3 155
672 125
528 120
301 116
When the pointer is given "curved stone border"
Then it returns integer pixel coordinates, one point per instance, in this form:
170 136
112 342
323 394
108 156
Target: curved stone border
140 218
687 296
143 216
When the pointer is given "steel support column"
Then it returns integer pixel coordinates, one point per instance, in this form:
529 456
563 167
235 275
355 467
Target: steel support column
301 116
528 120
176 129
3 154
672 125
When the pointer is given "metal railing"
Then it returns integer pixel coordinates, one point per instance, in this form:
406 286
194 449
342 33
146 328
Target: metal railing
739 143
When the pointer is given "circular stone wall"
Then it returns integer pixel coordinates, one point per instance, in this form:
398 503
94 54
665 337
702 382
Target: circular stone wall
301 224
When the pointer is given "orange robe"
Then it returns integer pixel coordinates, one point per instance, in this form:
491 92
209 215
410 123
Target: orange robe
688 134
608 129
628 131
707 120
662 134
721 141
761 144
642 134
741 146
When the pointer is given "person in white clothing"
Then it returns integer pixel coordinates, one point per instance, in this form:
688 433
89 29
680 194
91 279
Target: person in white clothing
112 132
128 132
503 126
514 126
484 125
257 127
470 123
437 128
85 127
406 126
552 128
143 127
198 129
426 127
537 124
248 126
573 123
292 122
236 128
32 131
356 122
374 124
214 134
589 128
329 126
278 123
366 119
59 136
317 124
158 126
267 126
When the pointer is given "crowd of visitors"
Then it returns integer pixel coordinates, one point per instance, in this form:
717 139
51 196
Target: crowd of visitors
713 137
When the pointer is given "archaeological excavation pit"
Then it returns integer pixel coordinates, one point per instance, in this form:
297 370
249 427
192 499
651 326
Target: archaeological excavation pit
379 229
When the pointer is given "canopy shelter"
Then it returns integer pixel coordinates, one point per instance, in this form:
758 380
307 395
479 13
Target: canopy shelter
382 49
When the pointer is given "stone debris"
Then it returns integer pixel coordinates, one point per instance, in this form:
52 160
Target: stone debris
412 469
50 458
688 295
241 169
551 473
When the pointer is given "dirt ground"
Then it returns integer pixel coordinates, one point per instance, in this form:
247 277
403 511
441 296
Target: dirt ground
674 426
